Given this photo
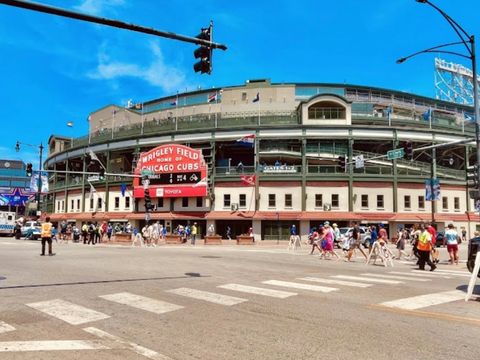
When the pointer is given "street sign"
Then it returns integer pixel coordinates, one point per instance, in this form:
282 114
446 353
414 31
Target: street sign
359 162
395 154
145 172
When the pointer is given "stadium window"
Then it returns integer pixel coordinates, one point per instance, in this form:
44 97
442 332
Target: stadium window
185 202
160 202
288 200
456 203
78 204
226 200
63 205
406 202
199 201
127 202
380 202
91 204
271 200
117 202
445 203
242 200
318 200
72 205
421 202
99 203
365 201
335 201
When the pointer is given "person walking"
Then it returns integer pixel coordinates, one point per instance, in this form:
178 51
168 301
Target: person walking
327 241
46 235
403 236
193 233
85 232
314 237
109 232
228 232
452 244
373 237
424 247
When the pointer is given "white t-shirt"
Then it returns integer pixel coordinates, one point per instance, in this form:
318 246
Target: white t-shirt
451 236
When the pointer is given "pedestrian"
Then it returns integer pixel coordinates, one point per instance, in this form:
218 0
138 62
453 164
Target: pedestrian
314 237
155 233
84 232
75 234
373 237
136 236
464 234
228 233
109 232
46 235
55 234
452 244
401 240
424 247
63 231
327 241
250 233
355 242
91 233
336 235
194 233
211 230
145 236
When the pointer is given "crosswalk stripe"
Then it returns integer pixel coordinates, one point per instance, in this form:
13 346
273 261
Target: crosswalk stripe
454 272
396 277
258 291
68 312
301 286
208 296
367 279
437 273
418 302
336 282
57 345
142 302
421 274
4 327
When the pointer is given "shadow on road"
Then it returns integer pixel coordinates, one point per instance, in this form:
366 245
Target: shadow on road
185 276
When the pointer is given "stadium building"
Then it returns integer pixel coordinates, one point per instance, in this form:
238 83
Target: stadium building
266 156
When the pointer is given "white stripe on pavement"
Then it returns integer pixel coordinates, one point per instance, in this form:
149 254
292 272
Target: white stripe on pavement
436 273
418 302
4 327
396 277
335 282
57 345
208 296
68 312
142 302
258 291
301 286
140 350
454 272
421 274
367 279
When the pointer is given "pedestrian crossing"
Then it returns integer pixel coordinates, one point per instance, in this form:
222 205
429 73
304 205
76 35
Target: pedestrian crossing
76 314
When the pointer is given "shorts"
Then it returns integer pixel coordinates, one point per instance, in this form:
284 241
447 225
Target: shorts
452 247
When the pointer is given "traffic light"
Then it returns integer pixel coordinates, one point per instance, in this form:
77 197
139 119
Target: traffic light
342 162
148 201
204 53
101 174
472 176
29 170
408 150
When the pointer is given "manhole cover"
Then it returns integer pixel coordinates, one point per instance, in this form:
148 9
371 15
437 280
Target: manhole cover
211 257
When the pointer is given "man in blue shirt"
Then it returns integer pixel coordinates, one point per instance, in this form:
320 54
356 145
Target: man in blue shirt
373 237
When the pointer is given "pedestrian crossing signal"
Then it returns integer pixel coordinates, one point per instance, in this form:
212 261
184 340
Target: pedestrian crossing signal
342 163
408 150
29 170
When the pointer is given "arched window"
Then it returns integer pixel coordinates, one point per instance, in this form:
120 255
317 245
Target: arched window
326 110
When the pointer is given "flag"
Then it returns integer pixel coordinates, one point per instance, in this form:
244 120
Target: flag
70 123
123 188
257 98
469 117
427 115
212 97
92 191
248 180
248 140
89 118
93 155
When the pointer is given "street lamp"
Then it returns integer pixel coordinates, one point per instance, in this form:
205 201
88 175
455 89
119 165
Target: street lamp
39 183
469 42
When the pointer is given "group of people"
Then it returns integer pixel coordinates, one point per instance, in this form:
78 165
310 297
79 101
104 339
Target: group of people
150 235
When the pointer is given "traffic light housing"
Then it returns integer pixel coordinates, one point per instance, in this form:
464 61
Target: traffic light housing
472 176
29 170
342 163
101 174
408 150
148 201
204 53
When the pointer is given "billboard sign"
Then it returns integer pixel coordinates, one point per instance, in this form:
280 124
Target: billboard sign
173 171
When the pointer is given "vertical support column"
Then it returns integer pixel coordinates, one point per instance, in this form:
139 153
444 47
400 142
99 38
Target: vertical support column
84 168
107 187
304 174
433 175
257 180
67 183
395 176
350 173
467 189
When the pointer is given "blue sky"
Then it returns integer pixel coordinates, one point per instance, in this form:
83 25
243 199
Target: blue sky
56 70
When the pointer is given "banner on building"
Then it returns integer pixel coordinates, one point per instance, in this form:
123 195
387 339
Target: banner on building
432 190
34 182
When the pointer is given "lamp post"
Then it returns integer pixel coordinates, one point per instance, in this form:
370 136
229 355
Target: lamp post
39 182
469 42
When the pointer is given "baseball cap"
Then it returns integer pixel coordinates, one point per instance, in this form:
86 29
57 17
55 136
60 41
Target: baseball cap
326 223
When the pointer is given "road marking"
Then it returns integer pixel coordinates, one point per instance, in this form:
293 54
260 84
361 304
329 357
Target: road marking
395 277
301 286
258 291
419 274
406 262
453 272
418 302
4 327
335 282
436 273
208 296
359 278
142 302
140 350
57 345
68 312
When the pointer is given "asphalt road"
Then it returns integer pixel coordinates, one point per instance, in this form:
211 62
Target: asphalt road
227 302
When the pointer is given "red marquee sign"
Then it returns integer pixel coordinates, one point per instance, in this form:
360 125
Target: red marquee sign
173 171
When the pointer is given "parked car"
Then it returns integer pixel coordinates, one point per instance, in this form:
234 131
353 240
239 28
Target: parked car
31 230
346 232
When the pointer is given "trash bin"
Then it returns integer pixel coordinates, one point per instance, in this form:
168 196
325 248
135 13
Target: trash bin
473 248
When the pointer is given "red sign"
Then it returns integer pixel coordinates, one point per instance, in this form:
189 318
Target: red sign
174 171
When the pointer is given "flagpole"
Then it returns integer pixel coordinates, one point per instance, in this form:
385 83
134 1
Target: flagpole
430 117
143 119
113 122
176 113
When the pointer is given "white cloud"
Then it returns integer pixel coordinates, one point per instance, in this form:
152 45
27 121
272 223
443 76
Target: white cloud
156 73
96 7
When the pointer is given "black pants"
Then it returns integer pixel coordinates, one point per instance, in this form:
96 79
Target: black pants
45 240
424 258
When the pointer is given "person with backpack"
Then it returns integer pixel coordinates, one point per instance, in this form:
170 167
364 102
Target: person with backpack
92 230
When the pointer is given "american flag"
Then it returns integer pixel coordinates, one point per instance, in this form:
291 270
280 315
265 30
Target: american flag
212 97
